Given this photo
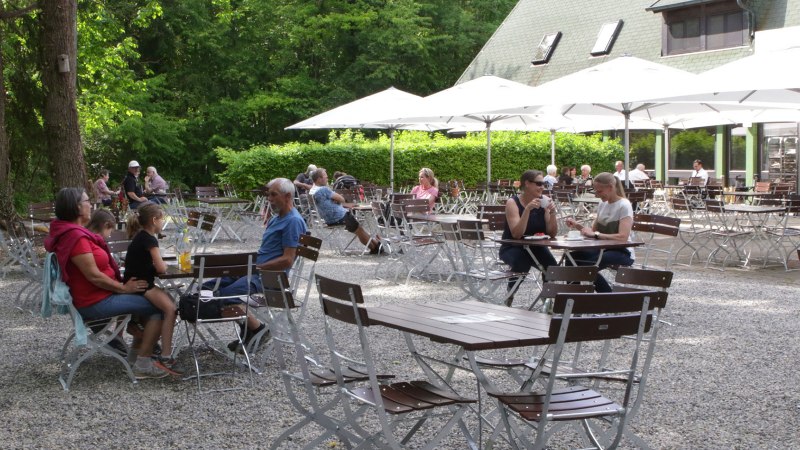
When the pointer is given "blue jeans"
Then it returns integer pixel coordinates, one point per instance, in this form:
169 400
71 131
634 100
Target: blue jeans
518 258
118 304
233 286
621 257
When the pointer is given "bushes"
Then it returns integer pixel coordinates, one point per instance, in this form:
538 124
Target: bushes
450 157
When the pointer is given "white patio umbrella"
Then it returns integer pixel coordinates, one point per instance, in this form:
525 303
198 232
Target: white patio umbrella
764 79
467 103
366 113
554 122
614 88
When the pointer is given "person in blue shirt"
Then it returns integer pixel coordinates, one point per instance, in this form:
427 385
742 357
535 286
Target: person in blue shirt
277 252
330 209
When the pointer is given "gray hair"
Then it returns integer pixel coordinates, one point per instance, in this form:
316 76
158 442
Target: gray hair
155 172
551 170
640 167
67 204
587 167
283 184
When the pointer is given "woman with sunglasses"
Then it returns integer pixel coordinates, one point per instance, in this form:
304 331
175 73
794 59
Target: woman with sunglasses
527 214
614 221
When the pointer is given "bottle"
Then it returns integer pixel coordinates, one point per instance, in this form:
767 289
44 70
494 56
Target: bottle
361 194
184 249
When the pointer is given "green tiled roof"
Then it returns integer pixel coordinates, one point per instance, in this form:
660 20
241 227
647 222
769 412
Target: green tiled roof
509 51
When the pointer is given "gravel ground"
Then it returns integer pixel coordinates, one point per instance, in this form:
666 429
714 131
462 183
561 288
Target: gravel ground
723 377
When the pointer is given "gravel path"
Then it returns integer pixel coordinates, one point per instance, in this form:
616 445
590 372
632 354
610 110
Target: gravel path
724 375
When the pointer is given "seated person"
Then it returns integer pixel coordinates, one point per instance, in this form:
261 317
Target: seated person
614 221
343 181
155 187
329 207
95 282
550 179
131 186
277 252
428 187
566 177
526 216
638 174
302 183
585 177
101 189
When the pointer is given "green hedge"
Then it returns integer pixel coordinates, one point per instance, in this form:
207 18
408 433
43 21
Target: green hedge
450 158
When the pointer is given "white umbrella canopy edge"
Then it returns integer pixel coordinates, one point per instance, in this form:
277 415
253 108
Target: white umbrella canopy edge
746 81
367 112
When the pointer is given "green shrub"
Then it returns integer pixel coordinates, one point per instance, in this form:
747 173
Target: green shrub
462 158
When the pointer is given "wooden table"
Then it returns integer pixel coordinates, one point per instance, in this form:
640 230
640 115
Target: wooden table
568 246
443 218
469 326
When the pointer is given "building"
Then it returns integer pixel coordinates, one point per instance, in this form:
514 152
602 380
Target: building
542 40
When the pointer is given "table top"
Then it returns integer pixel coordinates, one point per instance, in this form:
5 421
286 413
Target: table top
754 209
173 272
586 199
222 200
560 243
480 326
443 218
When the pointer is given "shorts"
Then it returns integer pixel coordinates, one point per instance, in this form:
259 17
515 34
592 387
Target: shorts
350 222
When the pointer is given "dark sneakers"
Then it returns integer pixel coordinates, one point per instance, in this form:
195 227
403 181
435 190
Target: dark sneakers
234 346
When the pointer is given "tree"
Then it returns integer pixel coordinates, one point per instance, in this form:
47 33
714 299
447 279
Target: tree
6 188
59 67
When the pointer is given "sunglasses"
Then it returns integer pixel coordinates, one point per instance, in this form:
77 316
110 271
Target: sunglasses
538 183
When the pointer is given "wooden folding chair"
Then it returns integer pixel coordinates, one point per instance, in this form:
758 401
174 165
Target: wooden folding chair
210 267
658 234
579 318
400 407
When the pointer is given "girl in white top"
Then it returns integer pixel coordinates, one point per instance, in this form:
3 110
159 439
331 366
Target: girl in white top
614 221
428 187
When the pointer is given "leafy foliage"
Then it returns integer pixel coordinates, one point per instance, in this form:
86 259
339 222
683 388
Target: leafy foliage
450 158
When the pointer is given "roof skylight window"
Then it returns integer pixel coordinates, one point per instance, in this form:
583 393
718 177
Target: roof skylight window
606 37
545 49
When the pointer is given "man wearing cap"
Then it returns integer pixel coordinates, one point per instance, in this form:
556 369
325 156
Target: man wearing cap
303 180
131 185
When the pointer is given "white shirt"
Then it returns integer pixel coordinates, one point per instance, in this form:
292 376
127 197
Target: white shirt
702 174
638 175
620 174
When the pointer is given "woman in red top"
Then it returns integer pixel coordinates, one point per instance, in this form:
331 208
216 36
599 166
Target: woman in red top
94 279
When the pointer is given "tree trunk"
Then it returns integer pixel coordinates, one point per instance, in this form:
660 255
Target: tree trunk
6 189
59 63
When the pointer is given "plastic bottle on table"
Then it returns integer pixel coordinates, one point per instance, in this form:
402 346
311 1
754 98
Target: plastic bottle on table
185 252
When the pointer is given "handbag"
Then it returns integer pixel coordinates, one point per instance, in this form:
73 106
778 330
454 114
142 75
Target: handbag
209 309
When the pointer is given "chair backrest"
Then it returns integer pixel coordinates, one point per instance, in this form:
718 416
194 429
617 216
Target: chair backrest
496 221
276 290
224 259
338 299
763 186
206 192
656 224
650 279
600 316
471 230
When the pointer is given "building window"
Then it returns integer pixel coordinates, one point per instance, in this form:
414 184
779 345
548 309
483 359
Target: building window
605 38
545 49
704 27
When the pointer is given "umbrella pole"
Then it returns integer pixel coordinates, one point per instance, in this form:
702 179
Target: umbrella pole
627 147
391 159
488 154
553 147
666 154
